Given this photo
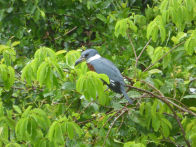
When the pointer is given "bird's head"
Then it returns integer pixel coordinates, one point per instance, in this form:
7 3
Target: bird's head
87 55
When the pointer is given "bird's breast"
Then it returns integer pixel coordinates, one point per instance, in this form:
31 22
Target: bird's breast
90 67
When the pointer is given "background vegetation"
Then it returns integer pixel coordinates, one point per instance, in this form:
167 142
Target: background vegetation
46 101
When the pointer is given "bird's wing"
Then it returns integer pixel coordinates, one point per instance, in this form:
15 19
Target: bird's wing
105 66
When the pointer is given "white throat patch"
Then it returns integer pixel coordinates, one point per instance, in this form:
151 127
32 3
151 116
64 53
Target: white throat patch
95 57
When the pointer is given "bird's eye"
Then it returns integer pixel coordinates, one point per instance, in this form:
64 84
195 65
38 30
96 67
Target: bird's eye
86 55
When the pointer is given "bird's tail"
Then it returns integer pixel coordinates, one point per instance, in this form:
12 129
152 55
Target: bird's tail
126 96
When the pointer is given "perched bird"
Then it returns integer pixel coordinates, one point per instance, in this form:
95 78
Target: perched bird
103 66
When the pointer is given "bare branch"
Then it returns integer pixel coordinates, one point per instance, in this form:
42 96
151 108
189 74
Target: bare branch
168 102
112 124
179 123
130 40
137 59
67 32
164 99
164 55
158 91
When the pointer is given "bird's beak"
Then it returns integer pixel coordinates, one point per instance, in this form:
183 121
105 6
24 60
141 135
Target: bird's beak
79 61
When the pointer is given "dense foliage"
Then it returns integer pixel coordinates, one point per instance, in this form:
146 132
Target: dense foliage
46 101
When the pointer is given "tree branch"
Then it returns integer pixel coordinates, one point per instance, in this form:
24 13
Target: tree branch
164 55
112 124
67 32
165 100
179 123
137 59
130 40
158 91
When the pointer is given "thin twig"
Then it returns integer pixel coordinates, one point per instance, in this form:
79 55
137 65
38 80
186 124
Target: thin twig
164 99
130 40
170 141
121 123
117 111
86 121
168 102
137 59
91 119
66 33
112 124
153 87
82 111
179 123
109 119
164 56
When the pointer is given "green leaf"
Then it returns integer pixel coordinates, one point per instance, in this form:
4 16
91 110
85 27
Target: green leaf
142 108
43 53
27 73
23 129
193 96
77 129
49 77
15 43
11 76
122 27
3 72
80 83
60 52
91 89
101 17
27 111
42 73
70 130
156 123
51 132
32 128
154 71
150 51
133 144
165 129
41 118
71 58
178 37
58 136
90 85
158 53
167 122
148 115
42 13
166 60
154 108
156 25
13 145
59 71
105 78
192 108
190 44
17 109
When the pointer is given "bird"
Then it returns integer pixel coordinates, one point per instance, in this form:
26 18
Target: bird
102 65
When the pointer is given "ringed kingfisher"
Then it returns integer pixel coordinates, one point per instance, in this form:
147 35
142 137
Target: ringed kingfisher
103 66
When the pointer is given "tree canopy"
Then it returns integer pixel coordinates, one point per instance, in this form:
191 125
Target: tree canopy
47 101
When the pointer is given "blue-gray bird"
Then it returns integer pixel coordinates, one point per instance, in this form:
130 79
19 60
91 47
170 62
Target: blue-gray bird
101 65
